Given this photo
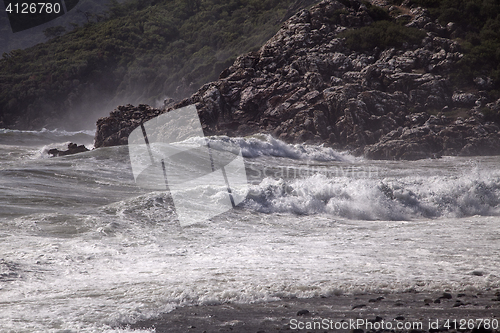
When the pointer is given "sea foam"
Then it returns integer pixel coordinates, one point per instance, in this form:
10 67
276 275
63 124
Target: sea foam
384 199
265 145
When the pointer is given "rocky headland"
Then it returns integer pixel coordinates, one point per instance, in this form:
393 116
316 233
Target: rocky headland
308 85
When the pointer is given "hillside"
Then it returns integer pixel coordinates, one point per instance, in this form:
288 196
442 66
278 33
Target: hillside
144 52
387 84
83 12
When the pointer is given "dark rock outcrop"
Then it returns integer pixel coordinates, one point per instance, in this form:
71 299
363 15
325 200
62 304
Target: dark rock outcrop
305 85
115 129
73 148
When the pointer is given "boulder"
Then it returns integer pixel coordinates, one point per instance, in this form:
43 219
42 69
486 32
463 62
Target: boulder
73 148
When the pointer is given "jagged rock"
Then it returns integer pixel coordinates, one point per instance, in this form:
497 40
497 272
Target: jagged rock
464 99
305 85
73 148
115 129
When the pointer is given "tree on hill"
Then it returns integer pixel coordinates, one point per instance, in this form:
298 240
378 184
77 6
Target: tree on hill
144 52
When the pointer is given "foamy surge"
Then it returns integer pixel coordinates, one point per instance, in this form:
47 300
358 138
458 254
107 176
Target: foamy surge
13 136
386 199
266 145
84 249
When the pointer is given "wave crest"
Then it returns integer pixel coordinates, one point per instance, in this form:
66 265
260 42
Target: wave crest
265 145
374 199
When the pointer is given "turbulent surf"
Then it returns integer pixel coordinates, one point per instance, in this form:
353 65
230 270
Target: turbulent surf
84 249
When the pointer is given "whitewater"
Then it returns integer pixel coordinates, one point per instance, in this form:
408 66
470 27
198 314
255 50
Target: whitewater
84 249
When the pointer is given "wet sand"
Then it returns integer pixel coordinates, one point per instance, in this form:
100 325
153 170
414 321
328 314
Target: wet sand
403 312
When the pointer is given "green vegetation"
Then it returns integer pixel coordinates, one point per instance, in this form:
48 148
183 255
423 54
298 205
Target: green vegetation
377 13
54 31
381 34
86 10
478 30
144 50
490 115
384 32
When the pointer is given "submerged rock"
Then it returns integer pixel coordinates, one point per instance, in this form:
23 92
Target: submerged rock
73 148
303 312
306 85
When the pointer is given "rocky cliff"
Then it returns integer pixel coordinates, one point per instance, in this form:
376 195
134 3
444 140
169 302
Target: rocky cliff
307 85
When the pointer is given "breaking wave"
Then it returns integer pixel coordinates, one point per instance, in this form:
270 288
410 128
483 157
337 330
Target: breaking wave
265 145
379 199
44 137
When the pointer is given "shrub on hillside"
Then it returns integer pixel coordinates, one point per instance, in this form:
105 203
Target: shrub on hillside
382 34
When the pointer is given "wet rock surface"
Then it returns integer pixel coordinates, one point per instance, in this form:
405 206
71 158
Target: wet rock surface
337 313
306 85
73 148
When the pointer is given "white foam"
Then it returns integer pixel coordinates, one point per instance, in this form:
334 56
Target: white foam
43 152
411 197
98 280
18 138
131 261
53 131
266 145
81 265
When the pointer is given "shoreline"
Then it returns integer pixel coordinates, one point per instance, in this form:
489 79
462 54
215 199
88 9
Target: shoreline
439 311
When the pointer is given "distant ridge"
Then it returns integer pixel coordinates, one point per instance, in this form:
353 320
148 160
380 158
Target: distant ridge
141 51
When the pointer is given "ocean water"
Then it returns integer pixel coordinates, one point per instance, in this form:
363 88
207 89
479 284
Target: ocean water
83 249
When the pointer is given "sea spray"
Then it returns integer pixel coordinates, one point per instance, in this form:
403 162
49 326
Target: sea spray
413 197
